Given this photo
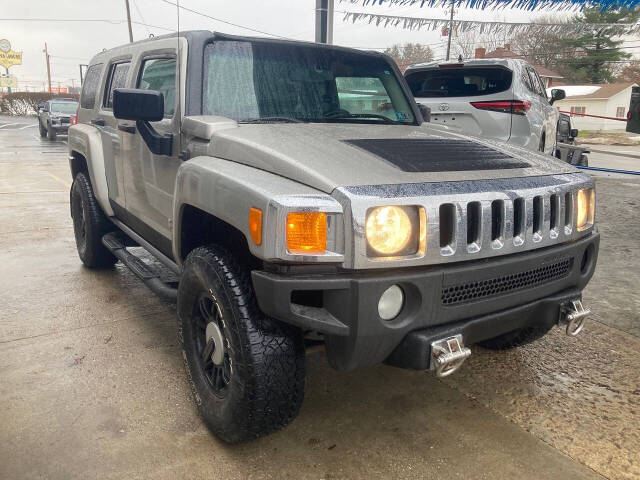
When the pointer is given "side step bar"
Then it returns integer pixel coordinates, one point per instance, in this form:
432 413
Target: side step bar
117 245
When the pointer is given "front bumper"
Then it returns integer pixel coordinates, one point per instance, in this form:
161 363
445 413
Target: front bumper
61 128
481 299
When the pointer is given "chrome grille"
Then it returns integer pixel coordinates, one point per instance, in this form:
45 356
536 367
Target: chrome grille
472 291
470 220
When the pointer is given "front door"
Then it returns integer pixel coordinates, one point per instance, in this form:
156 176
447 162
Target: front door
149 178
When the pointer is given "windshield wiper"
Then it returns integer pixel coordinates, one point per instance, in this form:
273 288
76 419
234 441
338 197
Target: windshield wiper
362 115
271 120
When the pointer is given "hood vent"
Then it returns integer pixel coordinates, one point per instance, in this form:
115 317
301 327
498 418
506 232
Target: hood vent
437 154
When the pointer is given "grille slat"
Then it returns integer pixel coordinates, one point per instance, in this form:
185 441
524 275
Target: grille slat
473 291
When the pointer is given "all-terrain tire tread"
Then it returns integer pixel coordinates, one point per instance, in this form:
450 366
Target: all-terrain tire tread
95 254
271 355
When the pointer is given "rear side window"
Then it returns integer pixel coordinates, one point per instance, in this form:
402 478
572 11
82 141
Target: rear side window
116 79
538 87
160 74
459 82
90 86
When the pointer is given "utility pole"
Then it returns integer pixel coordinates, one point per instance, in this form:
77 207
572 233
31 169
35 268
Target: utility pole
126 2
81 76
324 21
46 54
450 30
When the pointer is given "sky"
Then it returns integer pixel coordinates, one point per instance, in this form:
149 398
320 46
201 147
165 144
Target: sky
72 43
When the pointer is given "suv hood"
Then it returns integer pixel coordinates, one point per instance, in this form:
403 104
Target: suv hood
331 155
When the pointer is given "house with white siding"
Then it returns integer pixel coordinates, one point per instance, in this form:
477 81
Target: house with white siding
607 100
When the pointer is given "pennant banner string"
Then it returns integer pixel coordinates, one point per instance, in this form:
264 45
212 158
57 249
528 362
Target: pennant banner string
516 4
510 28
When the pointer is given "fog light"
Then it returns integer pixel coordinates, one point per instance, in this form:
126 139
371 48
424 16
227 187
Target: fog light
390 303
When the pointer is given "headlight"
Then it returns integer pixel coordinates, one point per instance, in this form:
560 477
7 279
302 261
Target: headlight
586 209
392 231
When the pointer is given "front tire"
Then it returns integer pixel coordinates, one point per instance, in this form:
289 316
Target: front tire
51 133
43 131
246 370
90 224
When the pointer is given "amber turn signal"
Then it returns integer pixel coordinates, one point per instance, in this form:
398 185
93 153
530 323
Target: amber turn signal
307 232
255 225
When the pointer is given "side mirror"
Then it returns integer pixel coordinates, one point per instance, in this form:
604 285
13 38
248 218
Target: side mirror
136 104
425 112
573 133
557 94
143 106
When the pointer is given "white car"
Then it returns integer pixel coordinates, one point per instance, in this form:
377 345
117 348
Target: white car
502 99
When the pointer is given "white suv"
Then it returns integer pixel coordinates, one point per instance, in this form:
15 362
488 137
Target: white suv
503 99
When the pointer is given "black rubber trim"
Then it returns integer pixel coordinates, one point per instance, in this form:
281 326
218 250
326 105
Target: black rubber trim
158 143
437 154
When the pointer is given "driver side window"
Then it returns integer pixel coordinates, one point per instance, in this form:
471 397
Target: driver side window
160 74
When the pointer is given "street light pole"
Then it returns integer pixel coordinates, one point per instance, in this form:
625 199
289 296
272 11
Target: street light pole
126 2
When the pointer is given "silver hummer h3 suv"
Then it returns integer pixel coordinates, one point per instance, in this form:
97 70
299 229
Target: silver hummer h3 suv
298 196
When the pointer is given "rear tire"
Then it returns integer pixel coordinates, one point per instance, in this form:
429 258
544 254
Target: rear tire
90 224
516 338
256 385
542 142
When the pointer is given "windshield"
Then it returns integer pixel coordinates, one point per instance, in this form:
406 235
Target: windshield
64 107
459 82
264 82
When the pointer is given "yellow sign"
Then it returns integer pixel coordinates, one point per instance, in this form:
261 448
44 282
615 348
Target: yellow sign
11 82
9 58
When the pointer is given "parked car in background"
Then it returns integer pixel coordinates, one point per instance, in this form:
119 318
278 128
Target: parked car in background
55 116
502 99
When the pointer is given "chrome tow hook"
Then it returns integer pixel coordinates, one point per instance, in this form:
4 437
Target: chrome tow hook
448 355
573 315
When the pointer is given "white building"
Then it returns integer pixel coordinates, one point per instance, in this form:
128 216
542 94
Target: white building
607 100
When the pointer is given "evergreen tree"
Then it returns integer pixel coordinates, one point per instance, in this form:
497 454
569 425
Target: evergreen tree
597 49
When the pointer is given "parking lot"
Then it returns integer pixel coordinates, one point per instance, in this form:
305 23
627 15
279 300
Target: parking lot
92 383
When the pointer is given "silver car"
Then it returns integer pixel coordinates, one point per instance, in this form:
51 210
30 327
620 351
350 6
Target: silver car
502 99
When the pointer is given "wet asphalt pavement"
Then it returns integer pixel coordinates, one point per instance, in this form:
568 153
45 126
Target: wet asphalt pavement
92 383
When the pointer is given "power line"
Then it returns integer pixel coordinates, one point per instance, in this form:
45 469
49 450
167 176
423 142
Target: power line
135 5
220 20
87 20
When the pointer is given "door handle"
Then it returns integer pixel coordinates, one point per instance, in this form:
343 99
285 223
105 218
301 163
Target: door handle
127 128
97 121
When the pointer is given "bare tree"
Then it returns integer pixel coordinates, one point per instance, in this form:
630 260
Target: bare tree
409 53
466 43
630 73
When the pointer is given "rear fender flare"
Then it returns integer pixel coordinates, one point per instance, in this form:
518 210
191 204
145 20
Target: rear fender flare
87 141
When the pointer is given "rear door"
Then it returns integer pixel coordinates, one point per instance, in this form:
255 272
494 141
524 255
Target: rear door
114 149
450 89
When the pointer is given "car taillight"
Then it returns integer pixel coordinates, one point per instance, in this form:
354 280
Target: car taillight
517 107
73 119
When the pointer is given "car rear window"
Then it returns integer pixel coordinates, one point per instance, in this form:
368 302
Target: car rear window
459 82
